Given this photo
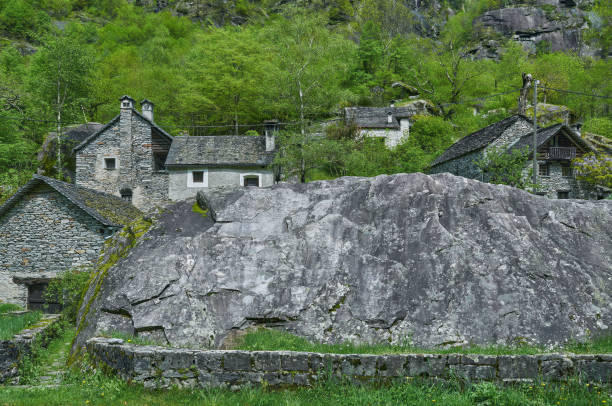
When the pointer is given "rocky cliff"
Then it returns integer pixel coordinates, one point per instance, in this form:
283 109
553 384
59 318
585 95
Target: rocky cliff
435 260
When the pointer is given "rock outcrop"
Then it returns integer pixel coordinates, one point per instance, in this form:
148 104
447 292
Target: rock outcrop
435 260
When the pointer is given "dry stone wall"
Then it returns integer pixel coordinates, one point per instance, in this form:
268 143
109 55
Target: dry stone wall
11 351
163 367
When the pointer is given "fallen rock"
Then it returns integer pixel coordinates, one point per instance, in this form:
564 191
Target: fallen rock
434 260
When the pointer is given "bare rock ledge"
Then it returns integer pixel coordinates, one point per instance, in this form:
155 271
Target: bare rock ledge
434 260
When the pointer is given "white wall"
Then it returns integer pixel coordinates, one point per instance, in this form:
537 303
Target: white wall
216 177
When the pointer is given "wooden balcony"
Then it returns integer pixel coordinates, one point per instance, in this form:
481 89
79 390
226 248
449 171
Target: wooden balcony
558 153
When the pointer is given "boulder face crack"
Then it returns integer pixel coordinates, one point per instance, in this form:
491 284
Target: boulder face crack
366 259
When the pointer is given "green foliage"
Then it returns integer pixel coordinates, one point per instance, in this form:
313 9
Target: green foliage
501 167
594 169
11 324
599 125
9 307
20 19
68 289
274 340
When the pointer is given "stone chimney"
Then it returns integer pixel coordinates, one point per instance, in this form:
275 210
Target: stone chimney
270 129
390 117
126 102
577 128
147 109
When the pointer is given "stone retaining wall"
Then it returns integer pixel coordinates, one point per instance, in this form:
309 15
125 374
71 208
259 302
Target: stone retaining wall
20 345
163 367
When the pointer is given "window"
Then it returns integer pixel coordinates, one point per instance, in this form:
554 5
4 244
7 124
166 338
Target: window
250 179
566 171
197 178
543 170
110 163
562 194
126 194
37 301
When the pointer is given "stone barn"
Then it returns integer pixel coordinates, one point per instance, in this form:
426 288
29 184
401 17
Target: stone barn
50 226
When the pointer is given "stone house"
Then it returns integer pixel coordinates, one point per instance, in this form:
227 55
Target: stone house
557 145
391 124
196 163
127 157
50 226
134 158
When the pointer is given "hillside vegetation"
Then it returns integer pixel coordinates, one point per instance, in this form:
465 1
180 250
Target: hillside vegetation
235 64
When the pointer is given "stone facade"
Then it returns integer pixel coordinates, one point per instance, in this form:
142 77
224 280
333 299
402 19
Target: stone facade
180 188
165 367
128 140
42 234
392 137
554 185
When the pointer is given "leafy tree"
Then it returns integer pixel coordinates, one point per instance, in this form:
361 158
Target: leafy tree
60 79
501 167
594 169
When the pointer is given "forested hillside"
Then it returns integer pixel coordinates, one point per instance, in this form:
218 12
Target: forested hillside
223 67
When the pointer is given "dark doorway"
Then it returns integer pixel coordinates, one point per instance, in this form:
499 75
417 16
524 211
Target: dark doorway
36 299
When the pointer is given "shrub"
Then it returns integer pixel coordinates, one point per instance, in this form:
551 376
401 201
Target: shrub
68 290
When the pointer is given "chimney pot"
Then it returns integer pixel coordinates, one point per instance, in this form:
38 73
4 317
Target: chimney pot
147 108
389 117
126 102
270 128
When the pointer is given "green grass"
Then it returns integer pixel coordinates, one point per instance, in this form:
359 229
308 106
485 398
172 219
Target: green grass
84 386
11 324
273 340
9 307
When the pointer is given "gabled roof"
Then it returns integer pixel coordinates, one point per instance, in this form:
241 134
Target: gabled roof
109 210
478 139
377 117
220 150
544 134
113 121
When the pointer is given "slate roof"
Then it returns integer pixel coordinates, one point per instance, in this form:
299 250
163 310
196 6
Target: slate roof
478 139
113 121
220 150
376 117
544 134
109 210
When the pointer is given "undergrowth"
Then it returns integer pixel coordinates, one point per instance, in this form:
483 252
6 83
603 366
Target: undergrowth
9 307
274 340
11 324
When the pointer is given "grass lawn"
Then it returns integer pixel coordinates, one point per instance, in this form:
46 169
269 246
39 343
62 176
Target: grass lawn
87 387
273 340
11 324
9 307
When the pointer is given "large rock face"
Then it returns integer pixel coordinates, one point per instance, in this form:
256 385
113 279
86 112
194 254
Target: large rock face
432 259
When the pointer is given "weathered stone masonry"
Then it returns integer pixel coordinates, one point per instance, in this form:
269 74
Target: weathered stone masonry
42 234
163 367
129 140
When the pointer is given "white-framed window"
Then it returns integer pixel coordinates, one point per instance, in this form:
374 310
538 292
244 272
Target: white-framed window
197 178
250 179
110 163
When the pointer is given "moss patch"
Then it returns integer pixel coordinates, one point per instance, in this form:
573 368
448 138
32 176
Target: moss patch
197 209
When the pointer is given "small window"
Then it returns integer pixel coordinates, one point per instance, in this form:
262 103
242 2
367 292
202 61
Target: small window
543 170
562 195
251 181
159 161
126 194
197 176
566 171
110 163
